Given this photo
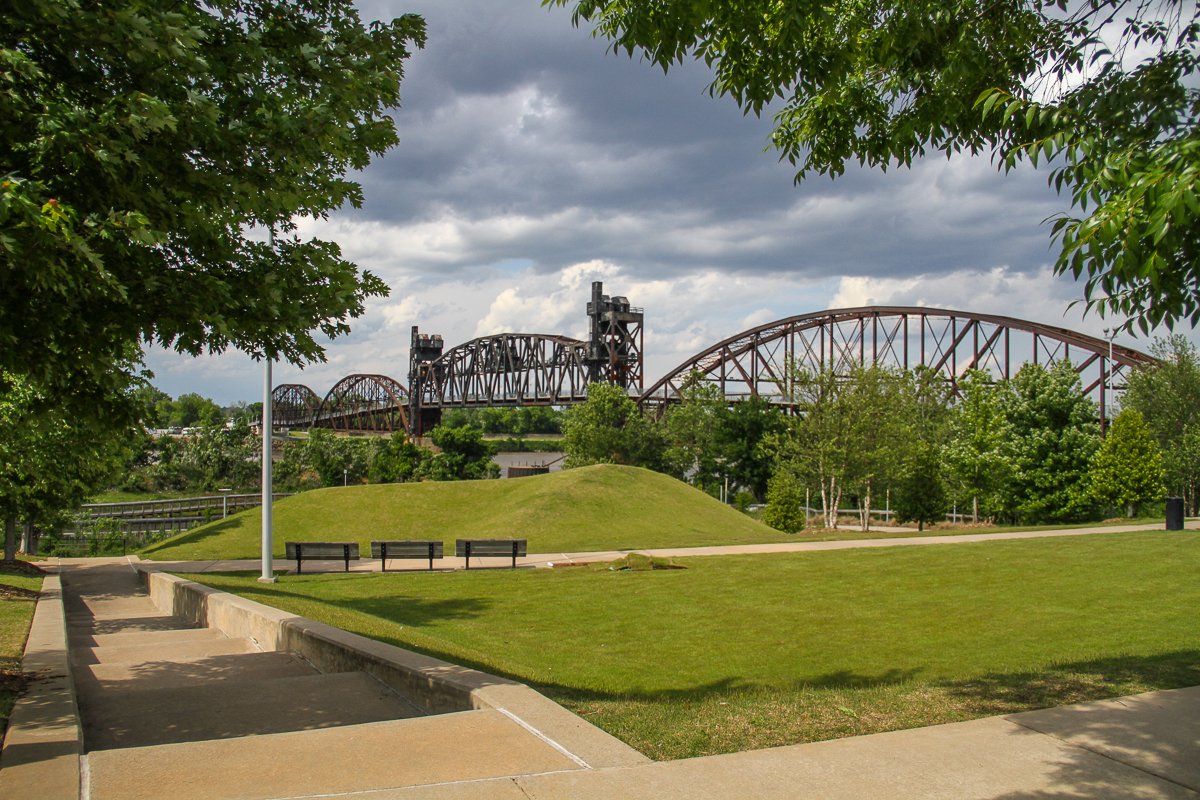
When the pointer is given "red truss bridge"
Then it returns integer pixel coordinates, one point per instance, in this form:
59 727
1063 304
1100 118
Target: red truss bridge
529 369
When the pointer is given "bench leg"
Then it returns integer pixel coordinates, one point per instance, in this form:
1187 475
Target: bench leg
468 555
299 562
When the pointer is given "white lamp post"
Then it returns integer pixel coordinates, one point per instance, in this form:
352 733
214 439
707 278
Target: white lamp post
1110 334
268 555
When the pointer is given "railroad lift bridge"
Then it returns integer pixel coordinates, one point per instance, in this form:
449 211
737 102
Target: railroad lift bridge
533 369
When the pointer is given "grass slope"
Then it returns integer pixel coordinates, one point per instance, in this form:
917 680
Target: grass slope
743 652
18 599
603 507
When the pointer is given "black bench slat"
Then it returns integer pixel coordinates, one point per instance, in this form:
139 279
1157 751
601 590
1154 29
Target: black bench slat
321 551
408 548
505 548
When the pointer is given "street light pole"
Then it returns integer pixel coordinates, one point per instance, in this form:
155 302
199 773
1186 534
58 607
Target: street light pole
268 554
1110 334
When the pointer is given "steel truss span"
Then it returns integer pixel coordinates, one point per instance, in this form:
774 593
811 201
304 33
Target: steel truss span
295 405
355 403
508 369
752 363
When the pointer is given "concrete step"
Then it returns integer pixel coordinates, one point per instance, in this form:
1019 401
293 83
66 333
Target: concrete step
163 651
467 746
90 626
146 637
105 606
140 675
230 709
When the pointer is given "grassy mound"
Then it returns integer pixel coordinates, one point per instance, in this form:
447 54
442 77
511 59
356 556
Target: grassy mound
603 507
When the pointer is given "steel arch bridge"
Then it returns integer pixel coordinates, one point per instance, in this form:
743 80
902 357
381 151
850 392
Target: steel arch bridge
532 369
294 405
753 362
356 403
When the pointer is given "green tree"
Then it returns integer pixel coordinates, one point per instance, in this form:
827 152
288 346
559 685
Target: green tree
920 494
609 429
881 432
883 83
817 446
1127 469
978 464
465 455
147 399
224 456
1053 436
741 429
336 459
143 144
1168 396
691 432
395 459
785 503
189 411
50 461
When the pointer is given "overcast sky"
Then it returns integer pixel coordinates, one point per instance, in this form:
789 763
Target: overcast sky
532 162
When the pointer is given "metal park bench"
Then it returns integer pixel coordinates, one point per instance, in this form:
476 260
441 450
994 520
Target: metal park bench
503 548
321 551
406 549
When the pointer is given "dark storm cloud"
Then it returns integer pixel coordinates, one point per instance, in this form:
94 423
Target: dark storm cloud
512 113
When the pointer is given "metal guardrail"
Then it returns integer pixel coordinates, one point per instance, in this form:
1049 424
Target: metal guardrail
182 505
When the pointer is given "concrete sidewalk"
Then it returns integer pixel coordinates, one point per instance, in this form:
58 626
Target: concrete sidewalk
543 560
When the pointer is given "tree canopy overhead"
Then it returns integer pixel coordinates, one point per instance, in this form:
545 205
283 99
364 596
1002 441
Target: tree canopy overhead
885 81
141 145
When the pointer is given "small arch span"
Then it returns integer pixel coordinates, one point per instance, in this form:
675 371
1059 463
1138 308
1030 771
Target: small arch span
364 403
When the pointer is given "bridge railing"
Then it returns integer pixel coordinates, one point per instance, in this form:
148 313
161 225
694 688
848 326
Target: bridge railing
174 507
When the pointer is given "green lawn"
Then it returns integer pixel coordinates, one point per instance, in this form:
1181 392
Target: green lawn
18 598
852 532
743 652
595 508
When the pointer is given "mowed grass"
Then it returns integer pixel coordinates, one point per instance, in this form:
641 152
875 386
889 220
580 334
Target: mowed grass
18 598
744 652
594 508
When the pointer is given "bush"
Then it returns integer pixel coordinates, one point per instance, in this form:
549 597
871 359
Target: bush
785 504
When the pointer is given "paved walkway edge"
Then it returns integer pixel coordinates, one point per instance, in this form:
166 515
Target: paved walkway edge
44 742
435 686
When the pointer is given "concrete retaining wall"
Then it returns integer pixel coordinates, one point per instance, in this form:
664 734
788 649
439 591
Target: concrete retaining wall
44 740
435 686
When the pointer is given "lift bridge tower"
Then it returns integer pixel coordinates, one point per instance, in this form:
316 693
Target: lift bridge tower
615 339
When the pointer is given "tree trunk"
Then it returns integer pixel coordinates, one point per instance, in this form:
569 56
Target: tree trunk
920 525
975 509
1129 511
10 539
837 501
866 511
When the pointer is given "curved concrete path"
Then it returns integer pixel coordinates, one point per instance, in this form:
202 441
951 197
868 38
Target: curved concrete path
542 560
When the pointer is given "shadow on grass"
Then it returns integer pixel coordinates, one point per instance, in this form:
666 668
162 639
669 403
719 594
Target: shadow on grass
988 695
399 608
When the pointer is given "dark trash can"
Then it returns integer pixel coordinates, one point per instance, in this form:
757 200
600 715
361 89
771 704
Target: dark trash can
1174 513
